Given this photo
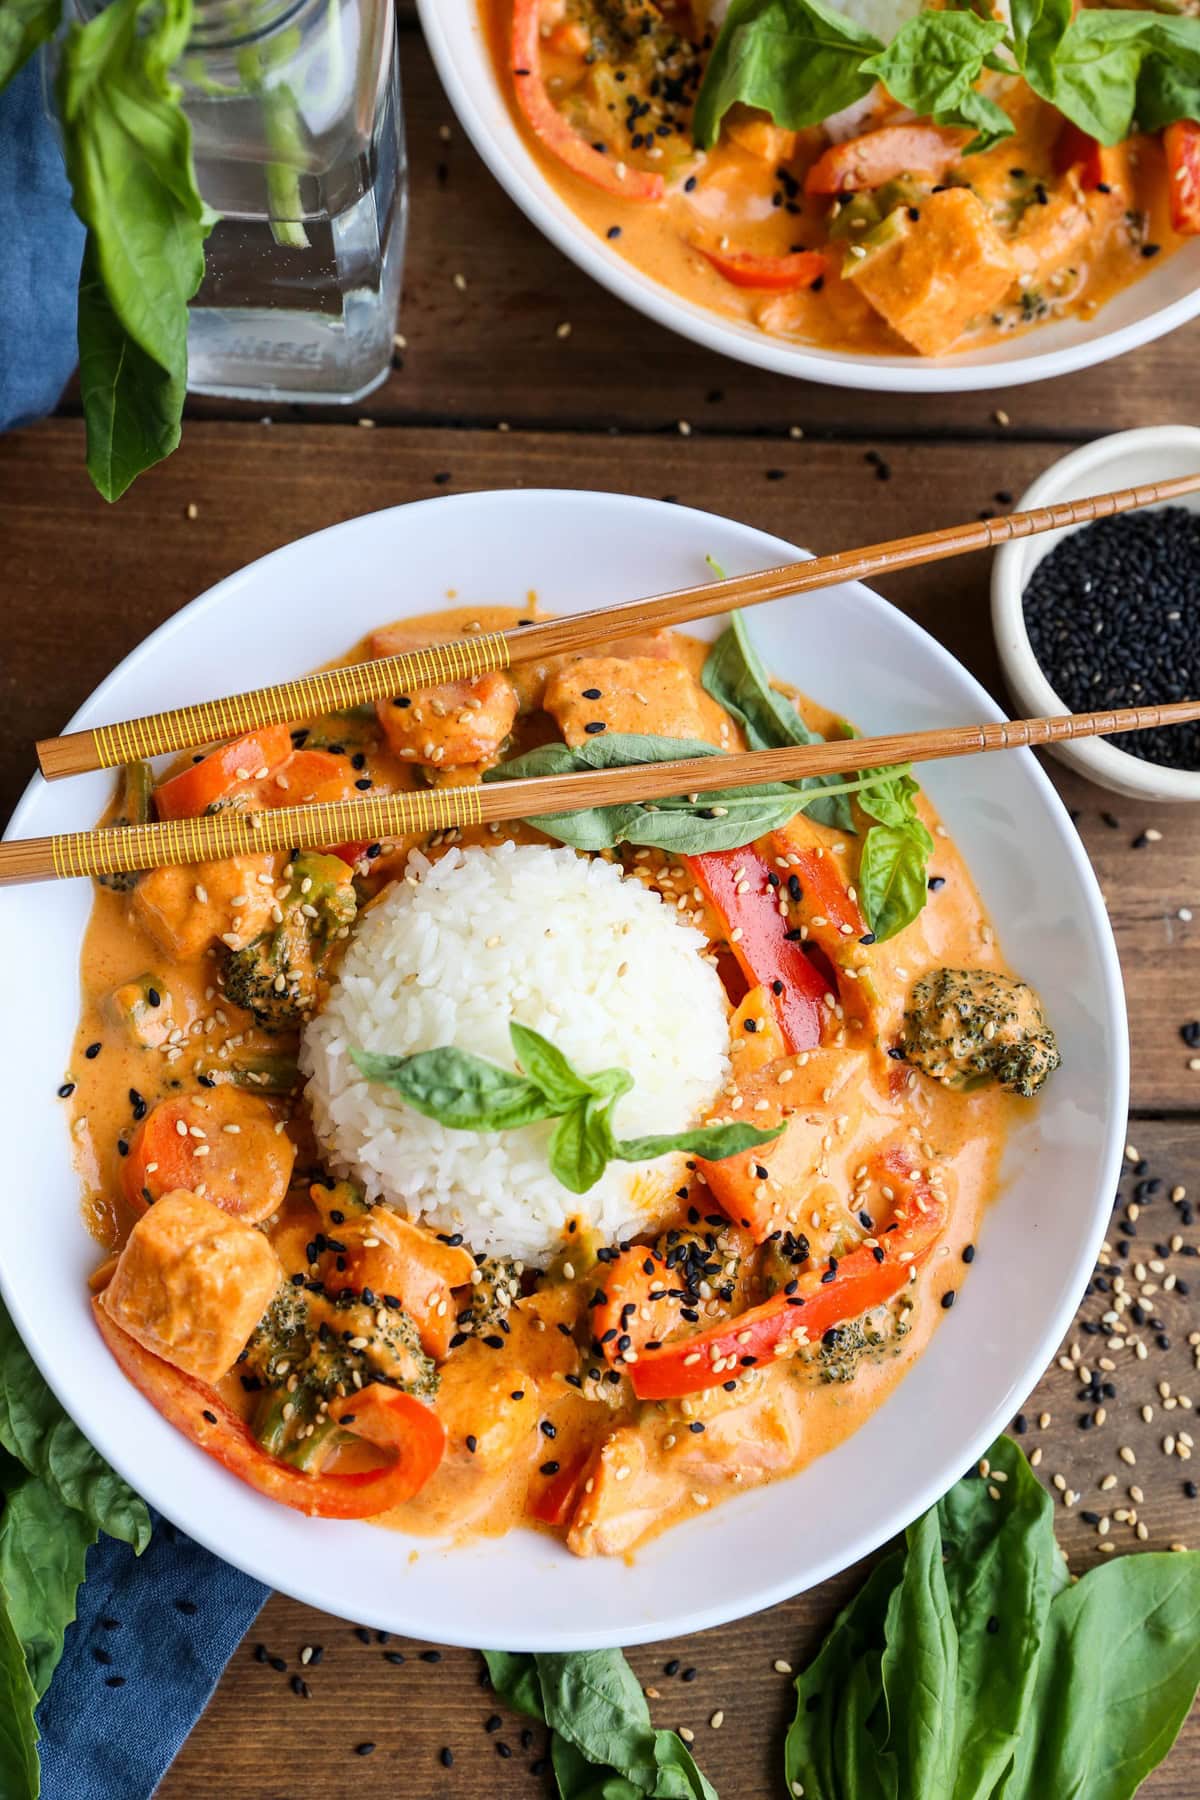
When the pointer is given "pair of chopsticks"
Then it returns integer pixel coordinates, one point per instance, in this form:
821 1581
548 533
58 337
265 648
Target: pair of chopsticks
235 831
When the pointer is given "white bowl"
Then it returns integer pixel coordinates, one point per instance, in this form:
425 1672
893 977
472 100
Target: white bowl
1160 301
1126 459
1037 1246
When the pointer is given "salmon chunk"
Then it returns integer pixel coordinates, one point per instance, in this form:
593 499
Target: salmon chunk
929 276
1053 237
630 694
187 909
454 725
191 1284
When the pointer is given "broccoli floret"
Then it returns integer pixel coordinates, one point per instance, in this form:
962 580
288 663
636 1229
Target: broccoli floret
842 1350
495 1290
274 977
311 1347
967 1026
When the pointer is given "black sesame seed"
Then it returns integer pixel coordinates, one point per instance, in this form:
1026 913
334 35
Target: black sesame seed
993 1625
503 1749
968 1254
549 1468
672 1667
493 1722
594 726
395 1657
66 1090
948 1299
431 1656
189 1607
92 1052
446 1757
591 693
278 1664
364 1749
689 1674
114 1681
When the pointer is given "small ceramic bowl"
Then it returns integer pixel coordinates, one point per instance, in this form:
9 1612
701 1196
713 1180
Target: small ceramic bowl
1123 460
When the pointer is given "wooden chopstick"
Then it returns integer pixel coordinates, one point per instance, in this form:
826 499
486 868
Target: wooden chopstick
240 832
335 690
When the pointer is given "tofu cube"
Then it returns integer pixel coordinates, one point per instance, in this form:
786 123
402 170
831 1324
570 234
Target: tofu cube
192 1283
930 276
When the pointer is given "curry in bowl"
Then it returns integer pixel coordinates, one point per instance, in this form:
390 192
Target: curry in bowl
579 1174
932 189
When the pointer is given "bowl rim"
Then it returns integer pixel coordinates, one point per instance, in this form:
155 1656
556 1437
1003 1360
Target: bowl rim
1095 757
529 189
253 1553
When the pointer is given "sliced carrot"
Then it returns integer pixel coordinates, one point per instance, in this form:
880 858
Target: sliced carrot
885 155
552 1499
635 1307
223 773
779 274
313 778
825 907
184 1143
556 132
403 1261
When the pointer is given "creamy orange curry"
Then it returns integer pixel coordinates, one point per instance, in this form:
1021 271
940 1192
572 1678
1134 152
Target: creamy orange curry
350 1362
671 129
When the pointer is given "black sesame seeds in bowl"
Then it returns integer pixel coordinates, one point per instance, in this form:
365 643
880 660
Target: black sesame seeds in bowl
1108 614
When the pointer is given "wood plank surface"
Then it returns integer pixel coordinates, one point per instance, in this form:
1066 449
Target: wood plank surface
84 584
260 1741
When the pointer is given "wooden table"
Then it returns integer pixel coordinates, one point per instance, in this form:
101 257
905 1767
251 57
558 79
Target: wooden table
489 392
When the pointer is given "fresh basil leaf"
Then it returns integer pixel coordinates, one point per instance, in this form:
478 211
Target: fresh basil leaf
1166 92
128 149
713 1142
735 677
43 1552
891 877
932 64
920 1667
1117 1675
799 60
1037 29
20 1777
831 1752
463 1091
1098 66
679 824
24 25
515 1681
1002 1568
594 1701
581 1145
35 1429
546 1066
132 405
578 1779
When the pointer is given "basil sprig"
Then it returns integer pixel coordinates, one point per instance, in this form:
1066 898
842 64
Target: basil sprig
969 1667
56 1495
801 61
684 825
896 850
469 1093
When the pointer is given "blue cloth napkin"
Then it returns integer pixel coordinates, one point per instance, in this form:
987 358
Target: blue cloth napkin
152 1635
41 242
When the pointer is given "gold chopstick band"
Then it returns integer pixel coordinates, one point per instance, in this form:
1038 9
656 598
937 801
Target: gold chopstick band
329 691
237 831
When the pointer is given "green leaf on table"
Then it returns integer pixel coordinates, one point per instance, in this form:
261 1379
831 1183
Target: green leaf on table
594 1701
799 60
932 65
831 1751
43 1553
1116 1678
735 677
128 149
515 1681
920 1667
35 1429
24 26
20 1778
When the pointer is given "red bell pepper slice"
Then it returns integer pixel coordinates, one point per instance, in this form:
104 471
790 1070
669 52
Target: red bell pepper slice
868 1277
1181 146
780 274
760 937
556 132
885 155
1099 165
223 773
555 1500
415 1436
